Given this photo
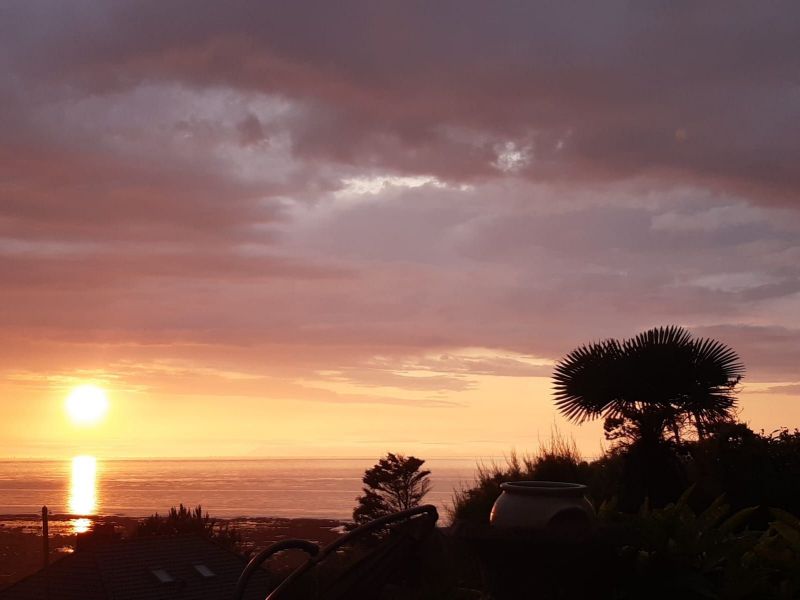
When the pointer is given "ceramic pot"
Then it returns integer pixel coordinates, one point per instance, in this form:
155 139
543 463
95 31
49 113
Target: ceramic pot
542 505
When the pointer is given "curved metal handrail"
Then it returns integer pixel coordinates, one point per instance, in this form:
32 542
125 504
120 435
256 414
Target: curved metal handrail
376 524
316 554
241 585
373 525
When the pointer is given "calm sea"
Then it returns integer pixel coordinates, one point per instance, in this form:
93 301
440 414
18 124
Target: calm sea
324 488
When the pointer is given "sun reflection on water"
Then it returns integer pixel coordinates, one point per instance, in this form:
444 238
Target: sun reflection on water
80 525
83 491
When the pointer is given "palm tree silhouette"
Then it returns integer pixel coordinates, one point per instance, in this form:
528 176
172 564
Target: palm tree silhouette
656 383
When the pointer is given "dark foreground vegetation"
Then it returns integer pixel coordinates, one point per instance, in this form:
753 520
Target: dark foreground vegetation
747 468
691 503
727 527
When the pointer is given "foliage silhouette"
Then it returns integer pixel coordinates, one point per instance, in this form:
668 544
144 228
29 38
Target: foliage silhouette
657 384
183 520
395 483
680 552
750 468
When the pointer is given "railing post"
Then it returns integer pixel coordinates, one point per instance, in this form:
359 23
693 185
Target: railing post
45 539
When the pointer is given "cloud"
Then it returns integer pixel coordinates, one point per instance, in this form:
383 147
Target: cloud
363 194
702 93
790 390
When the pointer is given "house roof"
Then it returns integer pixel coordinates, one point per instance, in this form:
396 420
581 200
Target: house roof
182 567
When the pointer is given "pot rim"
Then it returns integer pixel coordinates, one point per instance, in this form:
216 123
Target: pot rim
543 488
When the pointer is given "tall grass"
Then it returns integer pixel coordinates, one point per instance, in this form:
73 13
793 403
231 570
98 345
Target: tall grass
557 459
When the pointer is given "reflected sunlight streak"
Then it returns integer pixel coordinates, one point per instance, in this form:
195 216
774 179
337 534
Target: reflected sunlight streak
80 525
83 491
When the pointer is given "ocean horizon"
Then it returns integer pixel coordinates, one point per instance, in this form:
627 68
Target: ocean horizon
322 487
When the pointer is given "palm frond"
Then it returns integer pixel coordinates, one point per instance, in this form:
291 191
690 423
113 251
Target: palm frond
585 381
662 370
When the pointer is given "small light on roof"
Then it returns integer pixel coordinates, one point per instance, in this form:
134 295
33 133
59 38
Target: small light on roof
162 575
204 571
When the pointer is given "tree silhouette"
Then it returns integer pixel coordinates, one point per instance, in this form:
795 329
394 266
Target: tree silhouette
654 385
650 390
395 483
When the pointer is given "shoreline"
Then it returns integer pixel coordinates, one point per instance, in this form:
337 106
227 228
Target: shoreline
63 524
21 535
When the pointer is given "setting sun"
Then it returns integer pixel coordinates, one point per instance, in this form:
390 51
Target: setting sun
87 405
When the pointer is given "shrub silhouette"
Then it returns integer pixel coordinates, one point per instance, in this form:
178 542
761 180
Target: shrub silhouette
750 468
183 520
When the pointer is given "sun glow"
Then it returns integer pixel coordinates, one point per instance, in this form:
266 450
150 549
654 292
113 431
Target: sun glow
87 405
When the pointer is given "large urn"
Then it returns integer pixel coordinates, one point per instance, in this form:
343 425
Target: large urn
538 505
541 541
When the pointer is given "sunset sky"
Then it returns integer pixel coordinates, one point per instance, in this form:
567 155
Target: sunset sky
341 228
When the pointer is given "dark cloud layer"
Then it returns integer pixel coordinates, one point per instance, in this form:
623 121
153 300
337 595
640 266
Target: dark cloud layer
359 187
709 92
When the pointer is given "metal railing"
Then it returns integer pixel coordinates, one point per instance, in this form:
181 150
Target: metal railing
317 554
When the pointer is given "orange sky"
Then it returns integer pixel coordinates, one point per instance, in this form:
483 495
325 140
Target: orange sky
497 414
